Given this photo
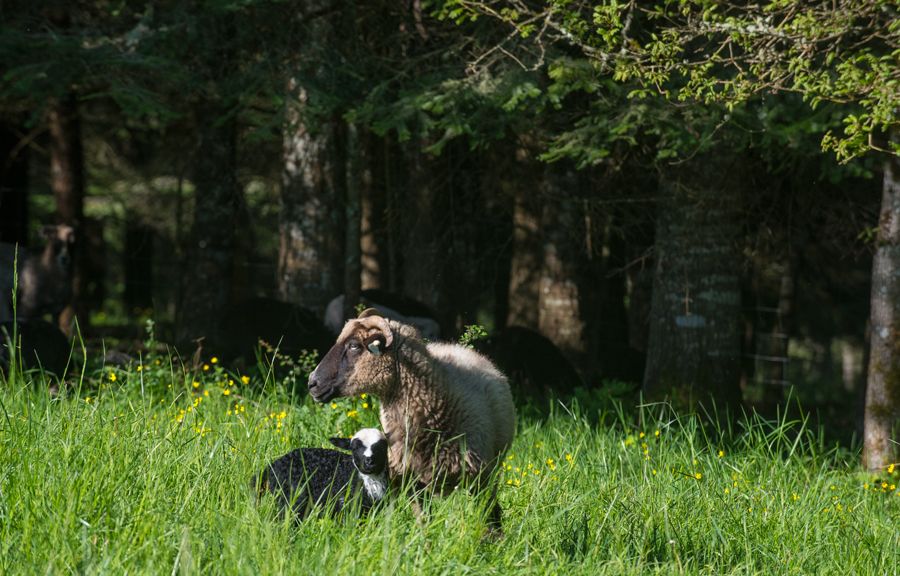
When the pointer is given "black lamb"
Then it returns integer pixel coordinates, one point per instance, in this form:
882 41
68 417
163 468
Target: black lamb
309 477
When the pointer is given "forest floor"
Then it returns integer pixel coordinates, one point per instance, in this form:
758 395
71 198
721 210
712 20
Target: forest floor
145 470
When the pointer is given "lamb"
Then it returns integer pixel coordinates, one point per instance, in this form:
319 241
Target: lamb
318 477
45 275
446 410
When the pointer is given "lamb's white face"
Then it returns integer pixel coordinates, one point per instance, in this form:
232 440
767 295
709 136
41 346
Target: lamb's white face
369 448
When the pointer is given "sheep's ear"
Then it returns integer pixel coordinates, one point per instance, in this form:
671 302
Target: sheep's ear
372 319
342 443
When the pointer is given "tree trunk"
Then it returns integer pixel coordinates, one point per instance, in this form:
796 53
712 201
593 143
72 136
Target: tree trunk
559 304
374 256
353 248
13 188
67 182
883 383
694 343
527 251
310 260
422 255
210 252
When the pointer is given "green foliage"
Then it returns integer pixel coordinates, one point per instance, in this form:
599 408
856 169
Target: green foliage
727 53
472 333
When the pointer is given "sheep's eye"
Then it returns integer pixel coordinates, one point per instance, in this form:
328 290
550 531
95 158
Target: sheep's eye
354 347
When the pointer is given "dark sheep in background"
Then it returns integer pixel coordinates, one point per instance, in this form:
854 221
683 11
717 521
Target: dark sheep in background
243 324
534 365
42 346
310 477
45 276
393 306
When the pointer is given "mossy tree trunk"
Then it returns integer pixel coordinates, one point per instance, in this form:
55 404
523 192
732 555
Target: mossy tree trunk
694 346
883 385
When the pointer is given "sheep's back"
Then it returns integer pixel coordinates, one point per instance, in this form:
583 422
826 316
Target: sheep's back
481 397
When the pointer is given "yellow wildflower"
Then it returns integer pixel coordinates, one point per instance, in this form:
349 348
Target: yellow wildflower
698 475
139 368
206 366
226 392
196 384
720 453
112 376
245 379
214 360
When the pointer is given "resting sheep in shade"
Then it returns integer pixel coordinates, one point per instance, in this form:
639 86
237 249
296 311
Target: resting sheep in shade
446 410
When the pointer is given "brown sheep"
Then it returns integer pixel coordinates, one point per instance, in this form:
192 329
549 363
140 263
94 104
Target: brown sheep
446 410
45 275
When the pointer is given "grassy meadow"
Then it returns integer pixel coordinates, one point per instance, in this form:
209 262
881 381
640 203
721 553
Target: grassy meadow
145 470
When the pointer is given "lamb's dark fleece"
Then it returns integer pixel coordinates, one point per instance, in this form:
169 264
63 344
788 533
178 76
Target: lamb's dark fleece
310 477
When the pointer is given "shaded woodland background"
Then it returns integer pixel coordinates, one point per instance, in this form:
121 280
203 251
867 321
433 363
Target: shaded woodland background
211 152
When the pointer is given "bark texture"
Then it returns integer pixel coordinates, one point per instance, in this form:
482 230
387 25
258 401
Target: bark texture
310 265
694 345
67 183
526 260
353 248
560 305
210 251
883 384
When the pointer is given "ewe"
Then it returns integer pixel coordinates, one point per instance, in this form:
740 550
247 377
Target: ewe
446 410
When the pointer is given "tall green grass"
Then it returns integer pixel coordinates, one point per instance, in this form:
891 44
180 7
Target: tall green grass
144 472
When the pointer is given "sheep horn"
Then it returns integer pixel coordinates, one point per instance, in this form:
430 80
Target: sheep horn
372 318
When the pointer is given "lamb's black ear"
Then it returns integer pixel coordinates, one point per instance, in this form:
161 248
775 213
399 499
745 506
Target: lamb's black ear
342 443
